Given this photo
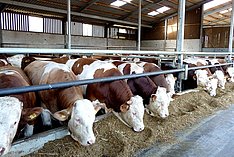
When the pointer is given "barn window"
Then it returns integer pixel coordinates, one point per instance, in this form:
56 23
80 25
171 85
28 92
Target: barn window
87 30
35 24
14 21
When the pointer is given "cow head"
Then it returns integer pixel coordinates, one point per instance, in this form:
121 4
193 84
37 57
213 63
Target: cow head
221 79
81 122
202 77
211 86
133 116
16 60
159 103
171 83
11 109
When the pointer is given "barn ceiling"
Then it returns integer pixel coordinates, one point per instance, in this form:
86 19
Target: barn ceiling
102 12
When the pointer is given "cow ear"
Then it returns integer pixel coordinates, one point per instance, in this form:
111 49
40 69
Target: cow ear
63 114
129 102
153 97
124 108
30 114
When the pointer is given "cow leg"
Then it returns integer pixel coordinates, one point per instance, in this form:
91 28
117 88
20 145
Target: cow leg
28 130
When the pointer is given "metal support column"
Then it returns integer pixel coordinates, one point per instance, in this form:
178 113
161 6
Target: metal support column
139 27
180 37
165 35
201 27
69 24
231 34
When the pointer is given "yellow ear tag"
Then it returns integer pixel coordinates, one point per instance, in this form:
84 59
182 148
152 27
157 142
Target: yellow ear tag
32 116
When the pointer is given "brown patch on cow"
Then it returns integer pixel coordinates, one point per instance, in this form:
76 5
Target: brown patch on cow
18 79
207 69
56 99
26 61
126 69
77 67
142 86
159 80
113 94
62 60
117 63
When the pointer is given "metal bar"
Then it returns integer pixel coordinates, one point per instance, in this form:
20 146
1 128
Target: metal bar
208 66
90 51
180 38
39 7
34 88
165 35
231 33
68 24
201 27
139 27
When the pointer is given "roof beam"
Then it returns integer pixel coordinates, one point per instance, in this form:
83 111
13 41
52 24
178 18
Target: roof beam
219 20
88 5
142 9
49 9
217 10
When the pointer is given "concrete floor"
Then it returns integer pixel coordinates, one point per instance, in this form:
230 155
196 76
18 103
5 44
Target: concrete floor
212 137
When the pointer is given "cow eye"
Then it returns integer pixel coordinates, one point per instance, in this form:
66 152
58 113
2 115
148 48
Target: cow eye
15 123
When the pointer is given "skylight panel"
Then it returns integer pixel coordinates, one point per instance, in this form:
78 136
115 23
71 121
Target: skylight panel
159 11
214 3
162 9
119 3
153 13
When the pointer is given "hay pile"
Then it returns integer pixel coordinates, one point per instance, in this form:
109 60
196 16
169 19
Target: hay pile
114 139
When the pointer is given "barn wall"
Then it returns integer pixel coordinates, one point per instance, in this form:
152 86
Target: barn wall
216 37
42 40
192 27
190 45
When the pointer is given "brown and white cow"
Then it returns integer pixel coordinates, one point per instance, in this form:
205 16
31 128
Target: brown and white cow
201 77
66 102
18 111
147 89
116 94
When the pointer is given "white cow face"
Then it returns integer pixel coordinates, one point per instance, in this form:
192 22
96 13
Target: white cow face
133 117
81 122
10 109
211 86
202 77
221 79
16 60
171 83
159 103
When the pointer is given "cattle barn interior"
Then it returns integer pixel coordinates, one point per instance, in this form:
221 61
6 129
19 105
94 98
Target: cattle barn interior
191 39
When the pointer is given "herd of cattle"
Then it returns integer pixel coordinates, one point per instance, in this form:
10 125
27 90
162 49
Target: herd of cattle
78 105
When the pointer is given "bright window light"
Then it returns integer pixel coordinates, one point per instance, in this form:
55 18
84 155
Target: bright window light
118 3
35 24
214 3
153 13
121 30
87 30
162 9
224 11
128 1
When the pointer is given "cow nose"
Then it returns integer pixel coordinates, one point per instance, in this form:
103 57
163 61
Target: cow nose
90 142
2 150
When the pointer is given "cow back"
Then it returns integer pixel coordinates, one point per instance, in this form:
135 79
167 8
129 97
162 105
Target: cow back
14 77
